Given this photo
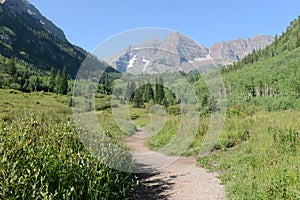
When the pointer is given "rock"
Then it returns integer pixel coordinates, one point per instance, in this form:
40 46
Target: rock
178 52
235 50
23 7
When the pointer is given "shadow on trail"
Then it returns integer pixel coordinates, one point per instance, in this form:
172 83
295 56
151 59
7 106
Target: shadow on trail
150 187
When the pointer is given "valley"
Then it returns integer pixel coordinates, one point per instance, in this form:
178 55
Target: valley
73 126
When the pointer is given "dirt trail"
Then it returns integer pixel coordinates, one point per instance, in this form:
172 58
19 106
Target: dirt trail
180 180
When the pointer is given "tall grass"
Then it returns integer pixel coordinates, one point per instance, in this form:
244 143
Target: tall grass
263 165
42 156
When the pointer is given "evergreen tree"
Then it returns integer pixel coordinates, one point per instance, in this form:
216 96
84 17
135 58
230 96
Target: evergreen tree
170 98
127 93
52 80
130 91
64 82
159 91
12 69
156 94
138 98
148 92
58 83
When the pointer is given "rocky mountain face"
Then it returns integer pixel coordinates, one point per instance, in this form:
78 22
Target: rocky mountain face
154 56
178 52
235 50
29 36
24 8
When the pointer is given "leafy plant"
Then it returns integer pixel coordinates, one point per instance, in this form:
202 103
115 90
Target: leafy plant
43 158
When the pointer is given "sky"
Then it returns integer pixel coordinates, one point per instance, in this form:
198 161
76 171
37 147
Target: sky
91 22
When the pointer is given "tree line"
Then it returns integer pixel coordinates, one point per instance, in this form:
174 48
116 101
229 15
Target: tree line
144 92
14 77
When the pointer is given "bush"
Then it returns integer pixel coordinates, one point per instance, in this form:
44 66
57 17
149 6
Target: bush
45 159
174 110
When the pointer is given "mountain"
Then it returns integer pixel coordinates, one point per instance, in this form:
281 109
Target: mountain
154 56
23 7
178 52
235 50
29 36
268 77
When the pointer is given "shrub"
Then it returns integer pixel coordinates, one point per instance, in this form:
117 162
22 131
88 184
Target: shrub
43 158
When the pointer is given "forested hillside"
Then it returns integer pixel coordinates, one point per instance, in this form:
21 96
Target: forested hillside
270 77
25 38
29 51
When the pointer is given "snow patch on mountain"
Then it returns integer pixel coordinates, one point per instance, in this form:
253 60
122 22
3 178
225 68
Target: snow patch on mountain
147 63
200 59
132 61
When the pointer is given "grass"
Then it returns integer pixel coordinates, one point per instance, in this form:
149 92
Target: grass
42 156
15 101
266 164
256 155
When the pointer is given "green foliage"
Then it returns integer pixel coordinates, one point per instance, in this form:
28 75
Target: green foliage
17 74
138 100
102 102
64 82
34 51
52 80
106 83
159 91
169 98
46 160
42 157
46 51
165 135
298 41
58 82
131 87
12 67
174 110
265 163
266 83
148 92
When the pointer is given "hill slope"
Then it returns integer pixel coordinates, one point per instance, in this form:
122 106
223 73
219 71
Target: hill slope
31 37
269 77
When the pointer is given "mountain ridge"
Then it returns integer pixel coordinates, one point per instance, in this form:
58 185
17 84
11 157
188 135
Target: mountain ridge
29 36
177 51
25 7
238 48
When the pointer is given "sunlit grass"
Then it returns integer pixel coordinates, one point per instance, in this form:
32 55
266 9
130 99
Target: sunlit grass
43 157
265 165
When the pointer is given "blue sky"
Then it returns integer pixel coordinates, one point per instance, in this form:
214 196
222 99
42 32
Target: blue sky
88 23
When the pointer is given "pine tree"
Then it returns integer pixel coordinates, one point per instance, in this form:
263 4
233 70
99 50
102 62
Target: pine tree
148 92
138 98
12 67
170 98
156 94
64 82
52 80
130 91
159 91
127 93
58 83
